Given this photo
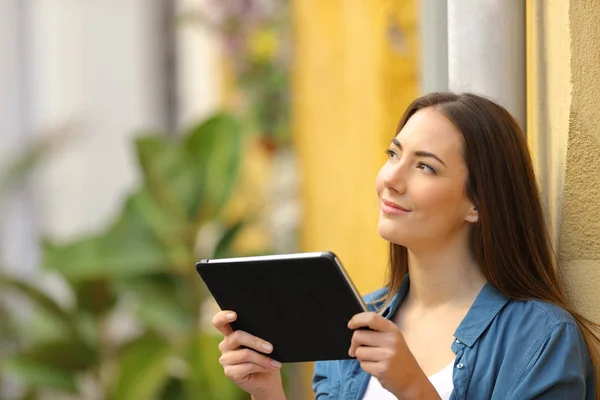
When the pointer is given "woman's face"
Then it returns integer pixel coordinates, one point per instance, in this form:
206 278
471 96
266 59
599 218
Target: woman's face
421 187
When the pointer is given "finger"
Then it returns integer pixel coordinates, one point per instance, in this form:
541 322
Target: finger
241 372
371 368
245 356
243 339
373 354
373 321
221 321
362 337
371 338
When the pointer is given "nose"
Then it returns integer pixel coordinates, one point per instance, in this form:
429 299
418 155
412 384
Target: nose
395 179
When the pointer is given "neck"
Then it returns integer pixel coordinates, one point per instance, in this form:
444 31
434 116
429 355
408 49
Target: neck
446 275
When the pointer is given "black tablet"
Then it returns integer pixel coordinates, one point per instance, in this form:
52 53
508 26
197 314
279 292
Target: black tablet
301 303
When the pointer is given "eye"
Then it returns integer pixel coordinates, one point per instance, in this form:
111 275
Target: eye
391 153
426 167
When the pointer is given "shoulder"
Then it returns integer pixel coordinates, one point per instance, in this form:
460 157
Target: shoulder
533 346
552 351
542 315
531 323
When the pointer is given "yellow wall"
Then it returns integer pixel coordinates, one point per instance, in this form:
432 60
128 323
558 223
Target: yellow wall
564 133
350 87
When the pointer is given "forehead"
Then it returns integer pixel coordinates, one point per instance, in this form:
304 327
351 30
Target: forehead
429 130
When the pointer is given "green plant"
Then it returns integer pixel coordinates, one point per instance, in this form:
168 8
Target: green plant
142 267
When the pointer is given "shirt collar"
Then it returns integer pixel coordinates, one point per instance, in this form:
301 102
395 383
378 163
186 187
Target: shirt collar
486 306
484 309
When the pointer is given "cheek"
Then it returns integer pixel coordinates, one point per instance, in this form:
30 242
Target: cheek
440 202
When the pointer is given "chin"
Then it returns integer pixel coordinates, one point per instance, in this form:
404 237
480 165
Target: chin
390 231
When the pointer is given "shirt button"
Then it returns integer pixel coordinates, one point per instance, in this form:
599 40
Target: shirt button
459 365
457 341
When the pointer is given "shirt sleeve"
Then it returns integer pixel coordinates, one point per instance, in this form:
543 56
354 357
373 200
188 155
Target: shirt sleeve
559 367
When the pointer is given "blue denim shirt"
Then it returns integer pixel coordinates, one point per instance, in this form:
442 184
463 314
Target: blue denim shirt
505 349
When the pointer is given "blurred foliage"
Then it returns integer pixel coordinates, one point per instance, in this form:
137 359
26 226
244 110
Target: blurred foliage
256 40
22 164
139 274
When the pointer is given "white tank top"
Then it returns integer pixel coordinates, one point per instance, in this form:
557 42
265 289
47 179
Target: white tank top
441 381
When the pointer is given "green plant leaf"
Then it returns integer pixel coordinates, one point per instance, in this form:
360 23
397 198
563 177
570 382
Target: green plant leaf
168 176
172 235
142 369
206 373
21 165
215 150
174 389
166 228
66 355
223 248
160 305
39 299
40 375
104 258
94 296
129 248
198 381
39 326
7 330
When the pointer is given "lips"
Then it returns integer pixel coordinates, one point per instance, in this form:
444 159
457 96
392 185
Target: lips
391 204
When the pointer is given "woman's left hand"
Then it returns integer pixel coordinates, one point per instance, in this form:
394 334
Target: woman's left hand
384 354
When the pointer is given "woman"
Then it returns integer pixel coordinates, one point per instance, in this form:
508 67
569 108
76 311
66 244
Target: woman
473 308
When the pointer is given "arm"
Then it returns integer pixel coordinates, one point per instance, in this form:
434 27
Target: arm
558 368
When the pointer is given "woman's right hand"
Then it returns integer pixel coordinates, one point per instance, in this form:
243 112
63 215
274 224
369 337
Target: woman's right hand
253 372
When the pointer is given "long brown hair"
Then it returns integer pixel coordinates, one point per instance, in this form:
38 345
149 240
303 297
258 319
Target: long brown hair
514 253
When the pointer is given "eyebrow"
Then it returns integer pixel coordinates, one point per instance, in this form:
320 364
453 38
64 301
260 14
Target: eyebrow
419 153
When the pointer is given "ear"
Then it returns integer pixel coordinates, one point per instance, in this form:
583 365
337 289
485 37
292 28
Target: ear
472 215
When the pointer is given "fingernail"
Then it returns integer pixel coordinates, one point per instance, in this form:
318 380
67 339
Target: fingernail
231 316
267 347
276 364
